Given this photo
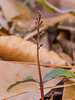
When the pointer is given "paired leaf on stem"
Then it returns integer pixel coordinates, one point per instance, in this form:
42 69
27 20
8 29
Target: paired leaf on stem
53 9
27 79
58 73
53 74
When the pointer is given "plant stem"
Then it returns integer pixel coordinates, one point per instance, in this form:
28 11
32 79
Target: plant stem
38 61
41 85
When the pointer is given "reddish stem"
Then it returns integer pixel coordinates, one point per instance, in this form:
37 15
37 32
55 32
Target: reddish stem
41 85
42 92
38 61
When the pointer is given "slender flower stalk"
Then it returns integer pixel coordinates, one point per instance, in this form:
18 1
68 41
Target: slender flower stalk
38 24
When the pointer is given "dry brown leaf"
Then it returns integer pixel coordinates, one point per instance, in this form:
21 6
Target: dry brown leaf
66 57
9 10
10 73
69 92
25 13
17 49
62 36
12 9
22 27
69 4
67 46
3 22
44 40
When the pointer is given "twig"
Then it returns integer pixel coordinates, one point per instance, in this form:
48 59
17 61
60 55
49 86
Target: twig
49 65
66 28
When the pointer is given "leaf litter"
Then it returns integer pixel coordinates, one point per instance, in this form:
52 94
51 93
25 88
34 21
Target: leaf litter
16 49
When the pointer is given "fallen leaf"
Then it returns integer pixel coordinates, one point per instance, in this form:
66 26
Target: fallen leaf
21 27
25 13
44 40
62 35
67 46
18 10
66 57
9 10
17 49
67 4
69 92
4 24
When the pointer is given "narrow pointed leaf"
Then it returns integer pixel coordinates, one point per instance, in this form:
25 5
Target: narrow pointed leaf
27 79
58 73
53 9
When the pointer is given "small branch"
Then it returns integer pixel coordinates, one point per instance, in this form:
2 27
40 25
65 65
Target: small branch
34 40
42 33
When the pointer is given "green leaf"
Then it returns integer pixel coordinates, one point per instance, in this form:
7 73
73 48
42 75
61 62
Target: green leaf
40 1
53 9
27 79
58 73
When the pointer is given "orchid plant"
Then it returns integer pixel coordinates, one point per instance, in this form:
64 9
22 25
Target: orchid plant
50 75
